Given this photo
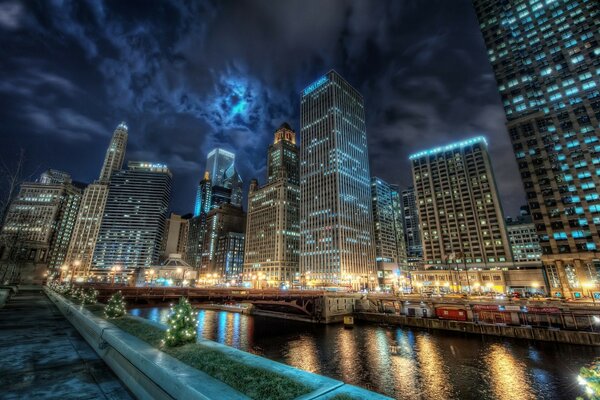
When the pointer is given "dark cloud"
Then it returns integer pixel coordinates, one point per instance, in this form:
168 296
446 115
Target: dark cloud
189 76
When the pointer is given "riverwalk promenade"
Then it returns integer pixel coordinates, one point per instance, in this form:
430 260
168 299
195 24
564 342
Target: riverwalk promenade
44 357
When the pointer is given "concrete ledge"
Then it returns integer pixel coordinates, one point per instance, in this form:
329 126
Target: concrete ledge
151 374
517 332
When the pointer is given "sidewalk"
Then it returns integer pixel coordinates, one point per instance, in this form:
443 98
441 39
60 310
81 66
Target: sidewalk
43 357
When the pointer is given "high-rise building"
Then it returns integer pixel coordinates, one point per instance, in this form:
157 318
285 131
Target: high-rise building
399 225
229 260
217 162
459 209
336 225
203 195
220 221
273 223
412 233
40 220
89 217
175 238
233 182
134 218
115 155
545 56
390 254
195 240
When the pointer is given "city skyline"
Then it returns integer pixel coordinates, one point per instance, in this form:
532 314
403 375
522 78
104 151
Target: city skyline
164 117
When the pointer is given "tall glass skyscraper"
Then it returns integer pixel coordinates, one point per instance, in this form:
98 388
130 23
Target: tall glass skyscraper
134 217
336 225
217 162
546 58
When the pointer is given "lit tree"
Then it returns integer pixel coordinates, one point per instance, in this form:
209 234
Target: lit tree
181 324
590 379
89 296
115 308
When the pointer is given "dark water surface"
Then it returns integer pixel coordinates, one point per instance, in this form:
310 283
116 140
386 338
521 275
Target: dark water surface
404 363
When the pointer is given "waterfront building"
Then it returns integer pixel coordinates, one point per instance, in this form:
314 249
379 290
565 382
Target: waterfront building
273 225
175 238
336 225
203 195
412 232
39 223
459 209
220 221
218 162
524 240
134 218
229 260
89 217
390 252
545 56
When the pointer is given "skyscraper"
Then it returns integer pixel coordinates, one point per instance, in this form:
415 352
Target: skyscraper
273 225
203 195
459 208
336 226
545 56
217 162
233 181
134 218
87 225
412 233
390 253
175 237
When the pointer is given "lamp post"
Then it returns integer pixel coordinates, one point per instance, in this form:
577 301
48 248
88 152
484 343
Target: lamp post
535 287
63 269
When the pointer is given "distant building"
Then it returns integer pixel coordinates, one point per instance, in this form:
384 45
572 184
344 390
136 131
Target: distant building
273 224
459 209
524 240
229 261
233 182
336 225
39 223
134 218
545 57
195 240
390 253
87 226
217 162
220 221
175 238
204 195
412 232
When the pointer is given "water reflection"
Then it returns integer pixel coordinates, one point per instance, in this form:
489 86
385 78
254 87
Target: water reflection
403 363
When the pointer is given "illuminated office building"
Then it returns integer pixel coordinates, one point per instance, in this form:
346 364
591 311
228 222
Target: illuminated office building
390 252
273 226
203 195
175 238
220 221
546 59
87 225
134 218
336 225
459 209
217 162
412 233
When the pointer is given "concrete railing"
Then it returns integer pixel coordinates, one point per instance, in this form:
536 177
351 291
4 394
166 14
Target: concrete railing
152 374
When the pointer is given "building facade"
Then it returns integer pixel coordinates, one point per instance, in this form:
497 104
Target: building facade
229 261
175 238
134 219
39 222
459 209
412 232
545 56
273 223
87 225
220 221
336 225
524 241
203 195
390 251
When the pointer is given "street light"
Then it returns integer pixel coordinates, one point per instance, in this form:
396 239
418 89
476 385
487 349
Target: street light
589 286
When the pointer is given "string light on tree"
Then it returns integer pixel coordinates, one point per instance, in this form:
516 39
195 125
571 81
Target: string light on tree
115 308
181 324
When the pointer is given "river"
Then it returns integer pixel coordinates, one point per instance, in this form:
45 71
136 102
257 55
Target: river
404 363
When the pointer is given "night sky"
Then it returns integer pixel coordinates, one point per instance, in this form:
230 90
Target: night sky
187 76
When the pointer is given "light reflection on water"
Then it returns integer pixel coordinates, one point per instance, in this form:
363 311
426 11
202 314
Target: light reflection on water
401 362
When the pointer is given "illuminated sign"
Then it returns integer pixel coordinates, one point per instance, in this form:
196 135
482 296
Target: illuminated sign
315 85
468 142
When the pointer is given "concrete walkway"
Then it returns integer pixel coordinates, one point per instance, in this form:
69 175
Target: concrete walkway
43 357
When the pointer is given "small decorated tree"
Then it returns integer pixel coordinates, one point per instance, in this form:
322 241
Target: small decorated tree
589 378
89 296
115 308
181 324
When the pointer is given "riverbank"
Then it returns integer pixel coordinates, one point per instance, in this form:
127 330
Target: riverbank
517 332
155 374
